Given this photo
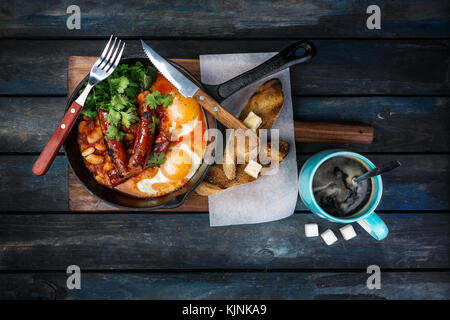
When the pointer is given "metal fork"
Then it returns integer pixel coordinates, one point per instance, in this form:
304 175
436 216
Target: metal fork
103 68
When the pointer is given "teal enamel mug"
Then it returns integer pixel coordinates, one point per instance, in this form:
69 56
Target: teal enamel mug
366 216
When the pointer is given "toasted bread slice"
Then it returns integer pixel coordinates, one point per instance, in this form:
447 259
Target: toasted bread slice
229 158
266 103
216 181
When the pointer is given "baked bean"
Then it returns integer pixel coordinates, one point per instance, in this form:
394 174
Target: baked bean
99 179
95 159
95 135
100 146
88 151
108 166
81 126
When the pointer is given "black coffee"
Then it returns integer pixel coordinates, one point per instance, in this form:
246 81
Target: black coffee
334 190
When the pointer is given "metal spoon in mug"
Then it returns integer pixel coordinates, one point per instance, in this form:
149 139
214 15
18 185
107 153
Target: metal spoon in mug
377 171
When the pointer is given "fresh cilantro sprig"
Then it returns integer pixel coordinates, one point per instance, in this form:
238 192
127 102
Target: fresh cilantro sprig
156 99
152 126
117 94
156 160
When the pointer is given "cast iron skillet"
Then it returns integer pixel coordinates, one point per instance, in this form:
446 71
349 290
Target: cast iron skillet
296 53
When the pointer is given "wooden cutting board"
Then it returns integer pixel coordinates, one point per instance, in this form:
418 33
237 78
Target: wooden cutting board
81 200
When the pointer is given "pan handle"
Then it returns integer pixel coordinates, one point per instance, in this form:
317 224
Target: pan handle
287 57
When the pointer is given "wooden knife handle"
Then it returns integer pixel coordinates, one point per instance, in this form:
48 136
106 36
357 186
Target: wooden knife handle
333 132
52 147
217 111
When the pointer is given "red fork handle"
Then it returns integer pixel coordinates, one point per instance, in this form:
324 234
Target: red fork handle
53 145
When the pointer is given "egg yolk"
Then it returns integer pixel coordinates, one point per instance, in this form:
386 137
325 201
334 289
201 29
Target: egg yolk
162 85
183 110
177 165
164 187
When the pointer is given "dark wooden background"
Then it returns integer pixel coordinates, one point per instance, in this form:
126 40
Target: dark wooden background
396 79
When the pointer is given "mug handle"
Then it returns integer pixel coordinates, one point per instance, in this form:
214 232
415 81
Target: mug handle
374 226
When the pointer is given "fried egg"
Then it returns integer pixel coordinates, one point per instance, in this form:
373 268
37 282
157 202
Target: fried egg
187 125
181 164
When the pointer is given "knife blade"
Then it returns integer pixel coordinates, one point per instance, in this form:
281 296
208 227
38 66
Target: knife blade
190 90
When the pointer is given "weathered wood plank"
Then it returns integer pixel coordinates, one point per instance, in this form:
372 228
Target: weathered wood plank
20 190
180 241
400 124
420 184
224 286
235 18
350 67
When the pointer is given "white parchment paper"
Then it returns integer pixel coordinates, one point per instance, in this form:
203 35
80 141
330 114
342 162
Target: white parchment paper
271 197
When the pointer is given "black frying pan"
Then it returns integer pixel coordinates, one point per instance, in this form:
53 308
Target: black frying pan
295 53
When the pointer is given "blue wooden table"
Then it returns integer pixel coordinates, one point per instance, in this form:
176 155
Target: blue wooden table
395 78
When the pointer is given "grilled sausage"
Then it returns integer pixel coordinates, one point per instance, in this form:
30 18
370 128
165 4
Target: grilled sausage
161 144
162 140
114 179
115 148
144 139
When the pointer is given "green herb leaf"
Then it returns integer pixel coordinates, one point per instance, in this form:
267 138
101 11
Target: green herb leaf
156 120
113 117
155 99
156 160
118 94
152 126
114 133
89 112
131 93
118 84
151 99
166 100
128 118
120 102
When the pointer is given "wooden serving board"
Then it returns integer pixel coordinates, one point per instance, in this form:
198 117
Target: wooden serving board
79 198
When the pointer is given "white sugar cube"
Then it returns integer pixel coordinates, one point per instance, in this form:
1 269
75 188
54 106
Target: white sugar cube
348 232
329 237
311 230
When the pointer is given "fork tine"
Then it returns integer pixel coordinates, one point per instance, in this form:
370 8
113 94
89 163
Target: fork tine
102 56
111 61
116 62
106 60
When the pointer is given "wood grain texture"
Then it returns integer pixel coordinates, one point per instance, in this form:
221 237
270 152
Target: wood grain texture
332 132
341 67
21 190
420 184
235 18
51 149
228 286
79 66
400 124
180 241
411 124
350 72
218 112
